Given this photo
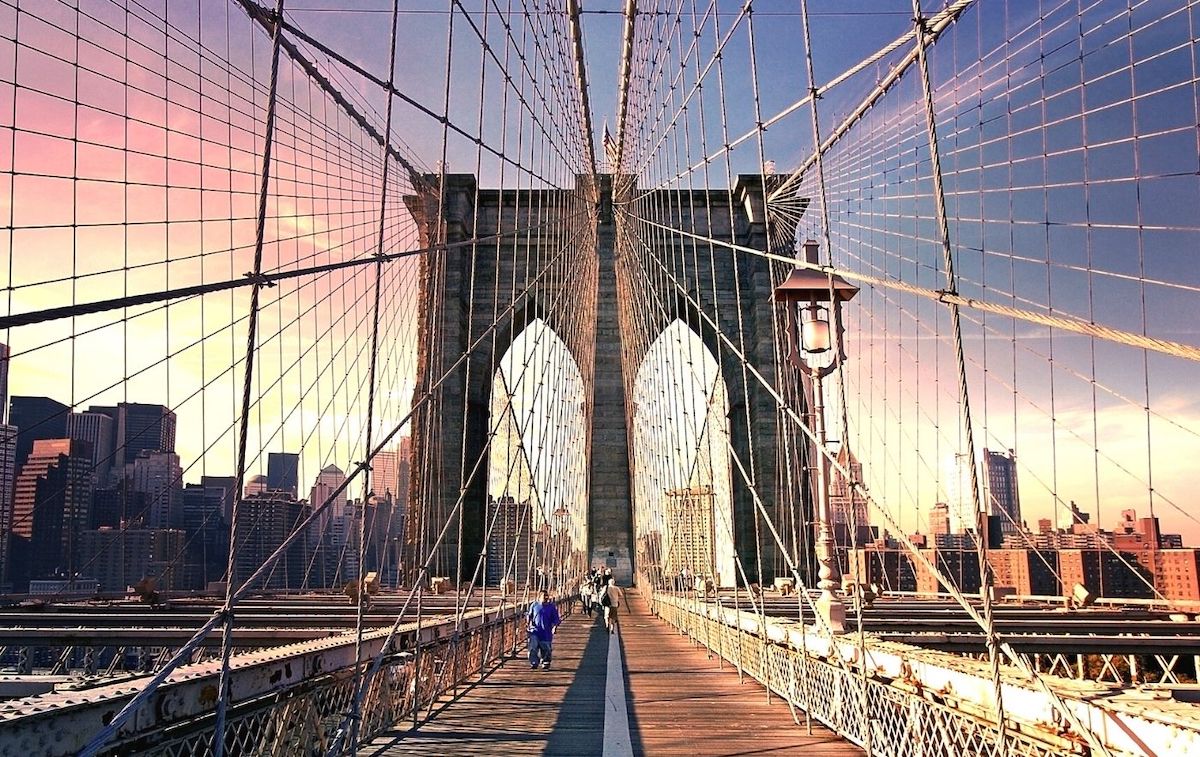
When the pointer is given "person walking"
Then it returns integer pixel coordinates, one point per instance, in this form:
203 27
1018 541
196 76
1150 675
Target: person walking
585 595
611 598
597 584
543 619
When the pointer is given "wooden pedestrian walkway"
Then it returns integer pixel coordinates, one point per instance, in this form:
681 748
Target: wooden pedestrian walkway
676 701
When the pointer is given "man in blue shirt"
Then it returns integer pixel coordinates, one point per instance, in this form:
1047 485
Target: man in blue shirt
543 619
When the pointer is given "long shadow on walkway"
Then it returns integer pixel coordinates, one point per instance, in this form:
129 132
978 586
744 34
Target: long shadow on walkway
635 732
579 728
517 711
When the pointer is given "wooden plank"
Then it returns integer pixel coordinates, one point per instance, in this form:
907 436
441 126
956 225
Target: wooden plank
679 702
517 711
682 702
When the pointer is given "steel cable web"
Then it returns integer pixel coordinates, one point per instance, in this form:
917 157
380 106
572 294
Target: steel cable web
364 258
279 251
995 317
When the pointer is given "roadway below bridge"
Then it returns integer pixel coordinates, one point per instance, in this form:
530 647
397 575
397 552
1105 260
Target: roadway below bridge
268 621
1033 627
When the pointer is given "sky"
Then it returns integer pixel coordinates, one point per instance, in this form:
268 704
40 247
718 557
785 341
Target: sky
1071 178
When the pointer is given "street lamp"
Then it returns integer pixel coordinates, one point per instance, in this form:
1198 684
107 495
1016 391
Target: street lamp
813 298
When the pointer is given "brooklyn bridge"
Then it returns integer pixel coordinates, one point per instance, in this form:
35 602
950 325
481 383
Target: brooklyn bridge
857 341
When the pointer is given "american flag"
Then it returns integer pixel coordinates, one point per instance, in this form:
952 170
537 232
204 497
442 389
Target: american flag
610 148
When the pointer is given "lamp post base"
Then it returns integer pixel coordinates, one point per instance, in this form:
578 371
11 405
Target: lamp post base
832 611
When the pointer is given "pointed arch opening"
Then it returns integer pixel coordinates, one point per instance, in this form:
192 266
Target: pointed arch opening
535 519
683 488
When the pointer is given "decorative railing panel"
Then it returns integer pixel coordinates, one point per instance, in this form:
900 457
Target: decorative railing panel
300 714
907 715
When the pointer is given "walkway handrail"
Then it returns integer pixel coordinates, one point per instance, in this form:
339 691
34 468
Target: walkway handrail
941 700
293 694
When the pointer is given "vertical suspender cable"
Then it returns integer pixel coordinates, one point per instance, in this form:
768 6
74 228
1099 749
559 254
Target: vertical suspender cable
218 743
839 377
356 702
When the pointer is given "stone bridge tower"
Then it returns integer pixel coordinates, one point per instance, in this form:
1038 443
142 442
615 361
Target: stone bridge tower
453 426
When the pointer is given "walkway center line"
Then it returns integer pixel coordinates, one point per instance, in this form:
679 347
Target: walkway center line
617 742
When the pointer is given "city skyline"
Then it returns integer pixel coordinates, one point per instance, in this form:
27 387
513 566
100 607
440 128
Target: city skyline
89 490
1113 426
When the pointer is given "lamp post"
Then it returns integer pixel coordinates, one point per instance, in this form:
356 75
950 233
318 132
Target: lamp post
812 298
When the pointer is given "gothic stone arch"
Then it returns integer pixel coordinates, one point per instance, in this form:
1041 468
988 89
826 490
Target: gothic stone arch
440 427
453 426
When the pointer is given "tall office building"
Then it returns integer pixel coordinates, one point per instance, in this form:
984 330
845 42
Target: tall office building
256 484
159 477
116 504
201 509
848 507
51 502
1000 482
939 520
137 428
960 502
511 542
8 478
5 352
143 428
97 430
228 487
385 473
690 532
119 559
36 418
328 480
264 521
283 472
328 536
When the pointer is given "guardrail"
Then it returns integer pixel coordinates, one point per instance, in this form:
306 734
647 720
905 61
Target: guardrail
912 702
286 700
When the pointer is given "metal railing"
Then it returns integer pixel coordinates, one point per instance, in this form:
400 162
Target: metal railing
285 701
919 703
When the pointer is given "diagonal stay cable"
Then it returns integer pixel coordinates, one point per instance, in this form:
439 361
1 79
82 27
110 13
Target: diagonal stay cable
857 487
267 279
94 746
1065 322
346 729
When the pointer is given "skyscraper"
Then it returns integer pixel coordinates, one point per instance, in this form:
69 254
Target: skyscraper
256 484
851 521
228 487
960 502
97 430
328 480
511 541
939 520
36 418
202 506
120 558
283 472
8 478
385 472
328 536
4 356
117 503
159 477
142 428
50 507
264 522
1000 480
